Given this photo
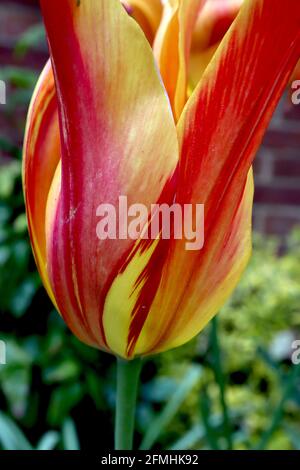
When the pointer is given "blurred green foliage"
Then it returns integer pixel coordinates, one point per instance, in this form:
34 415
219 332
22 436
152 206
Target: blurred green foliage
34 37
232 387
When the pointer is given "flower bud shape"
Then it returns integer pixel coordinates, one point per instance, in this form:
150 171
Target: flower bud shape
112 117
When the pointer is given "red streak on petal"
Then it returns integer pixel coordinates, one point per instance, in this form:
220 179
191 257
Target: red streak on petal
151 276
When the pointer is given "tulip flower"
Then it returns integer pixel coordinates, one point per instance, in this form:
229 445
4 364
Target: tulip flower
111 116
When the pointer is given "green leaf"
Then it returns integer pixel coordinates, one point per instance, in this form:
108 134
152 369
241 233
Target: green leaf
48 441
159 389
190 439
11 436
95 387
20 77
279 411
4 255
20 224
8 175
269 361
66 370
69 435
158 425
15 386
63 399
206 414
19 97
23 296
294 435
33 37
220 379
17 356
9 148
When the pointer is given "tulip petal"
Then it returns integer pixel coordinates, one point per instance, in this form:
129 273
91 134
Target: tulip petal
40 158
41 162
212 24
220 132
148 15
214 21
172 48
118 138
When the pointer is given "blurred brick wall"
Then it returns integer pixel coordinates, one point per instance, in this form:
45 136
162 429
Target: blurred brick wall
277 173
277 167
15 18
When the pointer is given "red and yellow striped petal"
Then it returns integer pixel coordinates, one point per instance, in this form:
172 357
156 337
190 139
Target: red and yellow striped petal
41 157
172 48
41 165
220 132
195 285
113 112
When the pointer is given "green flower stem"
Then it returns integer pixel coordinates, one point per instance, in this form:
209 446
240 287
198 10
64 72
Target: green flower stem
219 375
128 373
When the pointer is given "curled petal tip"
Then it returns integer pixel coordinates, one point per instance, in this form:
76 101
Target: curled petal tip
127 7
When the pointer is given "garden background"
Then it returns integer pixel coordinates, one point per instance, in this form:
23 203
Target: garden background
234 386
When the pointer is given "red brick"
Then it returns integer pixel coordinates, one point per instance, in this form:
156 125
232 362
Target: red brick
287 167
15 19
292 112
263 165
258 164
26 2
32 59
275 195
282 139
